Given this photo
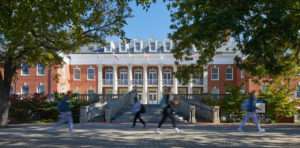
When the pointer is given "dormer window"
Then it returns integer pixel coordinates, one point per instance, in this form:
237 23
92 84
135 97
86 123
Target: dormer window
137 46
167 46
108 47
152 46
122 46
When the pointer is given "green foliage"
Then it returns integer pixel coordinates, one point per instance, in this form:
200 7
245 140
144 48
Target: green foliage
21 110
278 100
231 103
266 32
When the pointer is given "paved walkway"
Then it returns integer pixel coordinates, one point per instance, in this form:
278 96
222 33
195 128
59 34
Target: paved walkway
121 135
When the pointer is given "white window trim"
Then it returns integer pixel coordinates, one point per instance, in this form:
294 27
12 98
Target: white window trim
155 44
141 46
87 72
105 49
120 49
74 74
124 72
22 89
22 74
211 74
228 73
164 44
242 73
87 90
37 88
74 91
37 71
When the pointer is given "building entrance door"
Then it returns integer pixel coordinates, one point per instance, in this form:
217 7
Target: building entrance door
139 96
152 97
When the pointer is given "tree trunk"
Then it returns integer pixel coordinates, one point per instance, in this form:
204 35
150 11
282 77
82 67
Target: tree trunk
5 85
4 108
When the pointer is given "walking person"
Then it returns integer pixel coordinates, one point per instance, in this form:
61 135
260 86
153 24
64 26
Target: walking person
250 107
65 112
136 109
168 110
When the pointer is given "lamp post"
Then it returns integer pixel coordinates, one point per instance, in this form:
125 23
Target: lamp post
15 85
135 90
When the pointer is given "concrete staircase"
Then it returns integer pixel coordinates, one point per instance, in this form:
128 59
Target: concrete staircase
153 115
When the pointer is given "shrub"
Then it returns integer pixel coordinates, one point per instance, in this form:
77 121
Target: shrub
279 102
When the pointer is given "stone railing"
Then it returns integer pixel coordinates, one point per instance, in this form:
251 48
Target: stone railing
202 111
93 110
187 110
115 106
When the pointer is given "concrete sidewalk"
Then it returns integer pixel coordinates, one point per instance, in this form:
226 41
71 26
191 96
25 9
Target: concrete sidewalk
121 135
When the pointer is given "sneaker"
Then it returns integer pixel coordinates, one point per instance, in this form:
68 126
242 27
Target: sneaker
177 130
240 130
261 130
157 131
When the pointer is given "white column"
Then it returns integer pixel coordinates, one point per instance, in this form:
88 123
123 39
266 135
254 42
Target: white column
190 86
115 77
130 78
145 84
205 80
160 84
100 81
175 81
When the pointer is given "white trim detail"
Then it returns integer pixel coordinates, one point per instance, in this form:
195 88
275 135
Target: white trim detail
77 68
214 73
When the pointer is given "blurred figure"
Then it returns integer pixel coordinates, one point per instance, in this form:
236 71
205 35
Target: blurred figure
168 110
136 109
65 112
251 112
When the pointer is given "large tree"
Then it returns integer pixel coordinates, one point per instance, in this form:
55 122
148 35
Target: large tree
40 31
267 33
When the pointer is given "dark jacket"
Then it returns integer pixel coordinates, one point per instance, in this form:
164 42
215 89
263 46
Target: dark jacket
168 108
64 105
252 107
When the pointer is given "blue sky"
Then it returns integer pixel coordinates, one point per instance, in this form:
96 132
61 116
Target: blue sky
153 23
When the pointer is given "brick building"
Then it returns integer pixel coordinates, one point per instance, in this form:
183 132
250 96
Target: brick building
120 67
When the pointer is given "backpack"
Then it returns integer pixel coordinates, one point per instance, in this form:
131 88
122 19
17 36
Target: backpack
246 105
142 110
162 101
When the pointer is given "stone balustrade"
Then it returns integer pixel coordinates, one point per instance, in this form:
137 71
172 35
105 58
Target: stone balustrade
115 106
93 110
187 110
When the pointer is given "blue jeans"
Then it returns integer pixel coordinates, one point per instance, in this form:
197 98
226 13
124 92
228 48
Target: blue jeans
65 116
252 115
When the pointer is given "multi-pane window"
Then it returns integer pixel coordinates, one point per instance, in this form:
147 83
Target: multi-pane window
63 71
152 46
40 89
215 91
123 46
137 46
123 77
76 73
152 77
214 73
167 76
242 73
40 70
76 91
108 47
108 77
25 90
91 74
229 74
90 91
168 46
264 87
24 69
297 93
138 76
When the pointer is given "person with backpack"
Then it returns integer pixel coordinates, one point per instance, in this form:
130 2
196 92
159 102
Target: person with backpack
65 112
137 109
249 106
167 110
